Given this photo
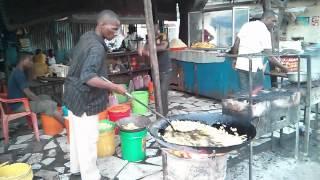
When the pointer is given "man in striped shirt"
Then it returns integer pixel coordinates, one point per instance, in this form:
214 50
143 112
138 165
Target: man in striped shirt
86 94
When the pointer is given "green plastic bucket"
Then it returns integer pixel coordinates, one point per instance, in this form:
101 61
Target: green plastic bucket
122 98
105 126
137 108
133 145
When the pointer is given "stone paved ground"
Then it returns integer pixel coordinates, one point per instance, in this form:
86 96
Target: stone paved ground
50 157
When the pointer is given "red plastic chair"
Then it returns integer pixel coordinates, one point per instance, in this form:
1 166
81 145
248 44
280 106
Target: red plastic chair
6 116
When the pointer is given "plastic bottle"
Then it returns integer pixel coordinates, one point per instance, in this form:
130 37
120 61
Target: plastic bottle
151 91
133 63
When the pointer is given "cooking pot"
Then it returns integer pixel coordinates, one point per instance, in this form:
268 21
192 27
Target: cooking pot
243 126
140 121
293 77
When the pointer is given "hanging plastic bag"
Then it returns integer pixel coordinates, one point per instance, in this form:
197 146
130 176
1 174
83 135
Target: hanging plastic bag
131 86
113 100
146 80
141 84
136 82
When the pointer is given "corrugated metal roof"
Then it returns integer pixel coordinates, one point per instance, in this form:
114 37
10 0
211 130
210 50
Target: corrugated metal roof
41 11
58 35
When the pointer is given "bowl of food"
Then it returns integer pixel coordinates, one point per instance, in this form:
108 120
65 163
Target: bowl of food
133 123
293 77
195 130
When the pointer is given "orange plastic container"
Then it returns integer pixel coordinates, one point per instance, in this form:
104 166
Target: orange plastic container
117 112
50 125
66 124
103 115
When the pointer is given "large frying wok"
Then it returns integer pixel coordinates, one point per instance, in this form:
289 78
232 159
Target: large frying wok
213 119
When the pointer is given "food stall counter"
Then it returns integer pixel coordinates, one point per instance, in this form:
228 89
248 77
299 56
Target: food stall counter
205 73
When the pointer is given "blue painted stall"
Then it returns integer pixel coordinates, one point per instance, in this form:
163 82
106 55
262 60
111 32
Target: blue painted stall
207 75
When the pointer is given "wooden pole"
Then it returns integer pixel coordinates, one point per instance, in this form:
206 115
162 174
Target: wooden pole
153 54
282 7
266 5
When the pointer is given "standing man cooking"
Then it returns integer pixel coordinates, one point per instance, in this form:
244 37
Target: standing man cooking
255 37
165 65
86 94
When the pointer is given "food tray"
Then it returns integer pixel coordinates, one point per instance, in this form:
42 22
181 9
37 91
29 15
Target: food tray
178 49
210 49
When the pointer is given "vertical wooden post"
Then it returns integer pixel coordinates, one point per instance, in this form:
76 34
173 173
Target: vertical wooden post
282 6
266 5
153 53
277 30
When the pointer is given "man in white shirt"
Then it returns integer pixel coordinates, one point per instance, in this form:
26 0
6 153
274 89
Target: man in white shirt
116 42
132 39
255 37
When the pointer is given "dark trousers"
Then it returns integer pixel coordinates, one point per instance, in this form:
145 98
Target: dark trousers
164 85
257 80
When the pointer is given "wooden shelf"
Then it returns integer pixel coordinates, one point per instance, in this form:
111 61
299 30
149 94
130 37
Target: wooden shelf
118 73
122 53
125 75
131 71
142 69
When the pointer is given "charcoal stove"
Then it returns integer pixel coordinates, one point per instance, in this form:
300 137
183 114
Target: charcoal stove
271 110
190 162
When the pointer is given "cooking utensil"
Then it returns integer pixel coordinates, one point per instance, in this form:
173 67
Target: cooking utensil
243 126
153 111
293 77
140 121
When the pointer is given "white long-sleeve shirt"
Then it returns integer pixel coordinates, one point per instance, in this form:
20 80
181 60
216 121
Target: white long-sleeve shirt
254 38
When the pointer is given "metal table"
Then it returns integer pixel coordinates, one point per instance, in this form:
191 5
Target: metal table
310 95
271 109
250 99
49 86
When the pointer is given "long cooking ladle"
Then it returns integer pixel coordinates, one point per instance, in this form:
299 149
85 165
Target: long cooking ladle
137 100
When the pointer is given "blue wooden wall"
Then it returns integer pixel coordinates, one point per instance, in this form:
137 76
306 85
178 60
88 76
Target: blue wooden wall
215 80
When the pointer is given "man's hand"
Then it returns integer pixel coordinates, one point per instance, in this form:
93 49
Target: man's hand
119 89
30 95
143 51
277 63
285 69
140 50
100 83
234 62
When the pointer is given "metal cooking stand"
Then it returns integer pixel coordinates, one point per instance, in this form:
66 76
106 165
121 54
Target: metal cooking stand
296 152
297 123
251 114
250 56
308 102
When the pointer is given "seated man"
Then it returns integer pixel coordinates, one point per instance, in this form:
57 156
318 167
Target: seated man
18 88
40 67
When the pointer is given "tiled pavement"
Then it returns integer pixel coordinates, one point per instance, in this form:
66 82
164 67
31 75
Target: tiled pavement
50 157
